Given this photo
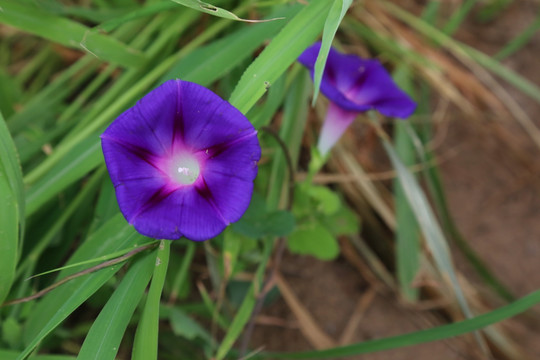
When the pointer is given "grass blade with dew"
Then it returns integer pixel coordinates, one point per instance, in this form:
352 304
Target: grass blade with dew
214 10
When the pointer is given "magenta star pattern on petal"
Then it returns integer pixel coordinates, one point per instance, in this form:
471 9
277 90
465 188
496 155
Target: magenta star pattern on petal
354 85
182 161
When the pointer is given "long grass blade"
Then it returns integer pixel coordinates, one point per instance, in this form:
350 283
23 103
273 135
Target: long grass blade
213 10
145 345
103 339
11 209
419 337
337 12
56 306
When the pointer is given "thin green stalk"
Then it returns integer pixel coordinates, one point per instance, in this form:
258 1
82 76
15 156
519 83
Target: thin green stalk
519 41
145 346
458 16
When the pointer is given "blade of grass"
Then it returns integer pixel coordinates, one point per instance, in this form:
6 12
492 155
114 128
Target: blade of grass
458 16
56 306
408 249
284 49
103 339
213 10
519 41
68 33
209 63
11 209
426 219
337 12
419 337
145 346
12 355
84 157
433 180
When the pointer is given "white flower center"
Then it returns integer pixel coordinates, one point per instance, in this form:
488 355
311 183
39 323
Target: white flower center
185 169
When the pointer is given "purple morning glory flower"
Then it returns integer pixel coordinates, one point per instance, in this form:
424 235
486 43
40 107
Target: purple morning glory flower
182 161
354 85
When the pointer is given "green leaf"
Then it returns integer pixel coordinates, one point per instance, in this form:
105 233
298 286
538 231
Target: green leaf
68 33
327 201
103 339
419 337
213 10
56 306
145 346
343 222
284 49
257 222
12 209
185 326
313 239
11 332
336 14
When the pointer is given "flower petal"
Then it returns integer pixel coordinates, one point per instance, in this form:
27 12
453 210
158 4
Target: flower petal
208 119
129 162
356 84
336 122
161 110
378 89
184 212
229 177
131 128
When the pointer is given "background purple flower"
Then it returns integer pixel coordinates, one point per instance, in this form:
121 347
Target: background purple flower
354 85
182 161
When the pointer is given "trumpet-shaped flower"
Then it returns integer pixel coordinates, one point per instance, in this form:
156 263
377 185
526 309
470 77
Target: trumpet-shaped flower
182 161
354 85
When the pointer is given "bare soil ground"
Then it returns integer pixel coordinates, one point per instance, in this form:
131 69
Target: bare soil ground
494 195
